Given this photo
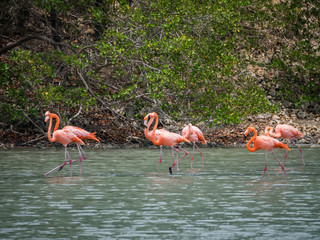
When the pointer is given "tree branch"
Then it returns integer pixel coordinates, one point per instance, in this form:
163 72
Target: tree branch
30 37
26 115
78 113
34 140
105 105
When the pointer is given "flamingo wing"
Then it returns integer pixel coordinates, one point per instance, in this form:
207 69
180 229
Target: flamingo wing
197 135
201 138
295 132
65 137
79 132
269 143
72 136
285 131
265 142
171 139
157 134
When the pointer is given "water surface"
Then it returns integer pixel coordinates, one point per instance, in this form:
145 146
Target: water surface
122 195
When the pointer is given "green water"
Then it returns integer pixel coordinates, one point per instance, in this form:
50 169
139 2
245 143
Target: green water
122 195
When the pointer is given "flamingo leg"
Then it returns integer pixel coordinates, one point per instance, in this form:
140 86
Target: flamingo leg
70 161
285 157
171 168
265 165
200 154
81 157
194 144
300 154
177 158
186 153
160 161
78 146
280 164
65 159
83 153
58 167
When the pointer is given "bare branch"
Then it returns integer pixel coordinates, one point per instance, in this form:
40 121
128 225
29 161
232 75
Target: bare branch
78 113
105 105
99 67
146 65
30 37
33 140
26 115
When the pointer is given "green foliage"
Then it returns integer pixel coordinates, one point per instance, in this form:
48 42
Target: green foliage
183 55
31 82
189 57
296 25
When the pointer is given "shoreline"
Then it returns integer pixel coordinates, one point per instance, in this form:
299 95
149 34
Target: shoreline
100 146
217 136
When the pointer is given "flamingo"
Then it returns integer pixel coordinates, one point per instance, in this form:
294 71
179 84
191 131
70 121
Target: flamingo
66 135
168 139
288 132
148 120
266 143
79 132
194 135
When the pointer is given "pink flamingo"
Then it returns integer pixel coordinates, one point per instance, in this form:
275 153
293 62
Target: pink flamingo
168 139
66 135
148 120
266 143
79 132
194 135
288 132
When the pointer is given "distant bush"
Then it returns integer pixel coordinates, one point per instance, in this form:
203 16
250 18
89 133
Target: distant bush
33 81
289 31
188 58
183 56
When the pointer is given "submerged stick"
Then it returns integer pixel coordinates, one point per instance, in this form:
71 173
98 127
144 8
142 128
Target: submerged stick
68 163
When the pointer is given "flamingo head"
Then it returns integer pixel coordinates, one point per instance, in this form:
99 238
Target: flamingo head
300 135
249 129
284 146
46 116
148 117
267 131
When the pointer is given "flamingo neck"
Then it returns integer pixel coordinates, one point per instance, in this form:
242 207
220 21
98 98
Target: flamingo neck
271 133
154 141
188 133
277 134
268 131
55 116
146 130
252 149
49 130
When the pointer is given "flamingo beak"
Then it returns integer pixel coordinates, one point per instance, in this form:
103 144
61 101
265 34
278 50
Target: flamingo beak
46 119
245 134
146 120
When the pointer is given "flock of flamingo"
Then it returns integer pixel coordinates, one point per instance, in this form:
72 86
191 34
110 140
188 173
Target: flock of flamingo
162 137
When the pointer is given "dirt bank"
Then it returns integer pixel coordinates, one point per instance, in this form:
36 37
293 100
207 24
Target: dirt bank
217 136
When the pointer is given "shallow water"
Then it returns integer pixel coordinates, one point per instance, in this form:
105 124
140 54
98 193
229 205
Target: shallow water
122 195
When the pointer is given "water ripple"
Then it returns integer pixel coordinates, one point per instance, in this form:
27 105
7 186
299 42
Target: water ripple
120 195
